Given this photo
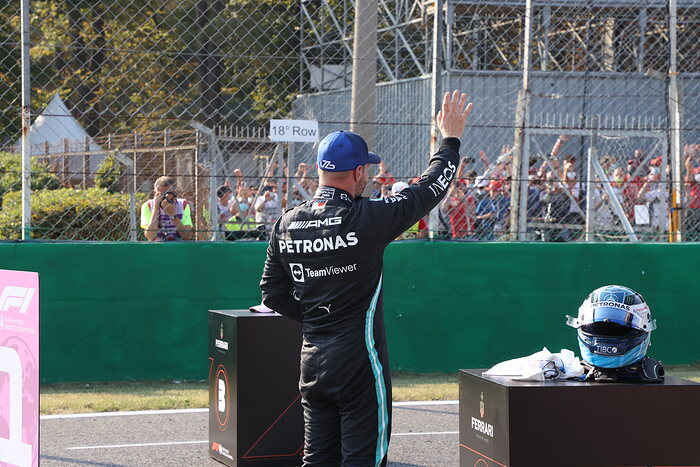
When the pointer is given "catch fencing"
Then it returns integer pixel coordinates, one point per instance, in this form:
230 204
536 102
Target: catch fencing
584 126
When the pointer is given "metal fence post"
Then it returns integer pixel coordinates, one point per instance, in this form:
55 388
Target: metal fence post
363 114
135 155
198 218
291 172
26 123
675 128
213 201
590 179
435 103
518 192
86 161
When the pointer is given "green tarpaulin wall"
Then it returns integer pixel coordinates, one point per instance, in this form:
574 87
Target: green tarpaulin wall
133 311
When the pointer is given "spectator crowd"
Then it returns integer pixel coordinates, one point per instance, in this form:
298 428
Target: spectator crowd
635 191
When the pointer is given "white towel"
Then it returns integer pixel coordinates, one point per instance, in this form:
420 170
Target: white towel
540 366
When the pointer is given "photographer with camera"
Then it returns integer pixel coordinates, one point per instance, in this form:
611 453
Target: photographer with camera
173 219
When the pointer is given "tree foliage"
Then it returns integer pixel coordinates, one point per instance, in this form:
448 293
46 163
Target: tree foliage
125 65
10 84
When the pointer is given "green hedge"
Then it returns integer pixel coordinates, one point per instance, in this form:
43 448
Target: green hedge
108 174
11 174
70 214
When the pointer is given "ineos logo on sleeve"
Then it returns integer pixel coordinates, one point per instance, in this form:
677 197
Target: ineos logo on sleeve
443 181
297 270
18 297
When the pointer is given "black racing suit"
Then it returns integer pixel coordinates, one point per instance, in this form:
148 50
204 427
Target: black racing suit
324 269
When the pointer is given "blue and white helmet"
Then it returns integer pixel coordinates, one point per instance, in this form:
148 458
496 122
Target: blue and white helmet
614 327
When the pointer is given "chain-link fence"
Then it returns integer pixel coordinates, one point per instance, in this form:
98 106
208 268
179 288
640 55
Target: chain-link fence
584 128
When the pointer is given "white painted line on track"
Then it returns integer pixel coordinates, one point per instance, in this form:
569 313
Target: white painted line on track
123 414
179 411
140 445
411 403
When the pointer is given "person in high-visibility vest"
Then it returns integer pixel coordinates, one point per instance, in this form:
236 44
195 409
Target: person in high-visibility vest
417 230
166 217
241 225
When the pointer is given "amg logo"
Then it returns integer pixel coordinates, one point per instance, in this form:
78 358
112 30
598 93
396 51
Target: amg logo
482 426
299 225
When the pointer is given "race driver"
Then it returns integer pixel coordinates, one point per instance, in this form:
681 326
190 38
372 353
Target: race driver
324 269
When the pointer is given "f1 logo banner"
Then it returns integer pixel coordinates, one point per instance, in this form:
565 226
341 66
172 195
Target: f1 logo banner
19 368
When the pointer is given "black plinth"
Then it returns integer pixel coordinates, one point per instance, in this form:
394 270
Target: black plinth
255 413
505 423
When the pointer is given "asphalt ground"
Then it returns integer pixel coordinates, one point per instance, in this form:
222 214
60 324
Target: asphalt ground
423 434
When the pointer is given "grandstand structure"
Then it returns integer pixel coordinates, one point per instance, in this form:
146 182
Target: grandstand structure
607 36
588 57
631 67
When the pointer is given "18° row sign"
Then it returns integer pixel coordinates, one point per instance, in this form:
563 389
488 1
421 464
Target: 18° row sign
298 131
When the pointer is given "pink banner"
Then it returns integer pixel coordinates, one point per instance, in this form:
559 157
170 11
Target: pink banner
19 369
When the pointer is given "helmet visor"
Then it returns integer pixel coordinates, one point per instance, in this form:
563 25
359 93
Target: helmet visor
633 316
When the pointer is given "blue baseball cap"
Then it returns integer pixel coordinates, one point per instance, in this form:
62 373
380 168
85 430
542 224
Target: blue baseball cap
342 150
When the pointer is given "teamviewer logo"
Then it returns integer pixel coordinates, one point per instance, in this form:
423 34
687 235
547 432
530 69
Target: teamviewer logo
16 297
297 271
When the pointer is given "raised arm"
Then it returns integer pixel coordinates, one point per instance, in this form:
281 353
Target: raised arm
558 144
452 118
401 211
690 151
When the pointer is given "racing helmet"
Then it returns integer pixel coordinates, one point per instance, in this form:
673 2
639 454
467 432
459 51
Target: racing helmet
614 327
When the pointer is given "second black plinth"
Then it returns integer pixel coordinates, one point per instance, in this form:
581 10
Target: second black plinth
505 423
